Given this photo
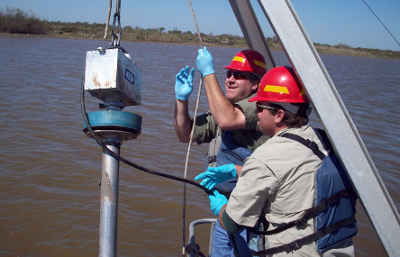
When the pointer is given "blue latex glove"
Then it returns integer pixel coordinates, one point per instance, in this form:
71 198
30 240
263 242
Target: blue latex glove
215 175
184 83
205 62
217 201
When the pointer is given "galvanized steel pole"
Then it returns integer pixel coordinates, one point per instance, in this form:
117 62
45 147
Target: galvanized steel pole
109 203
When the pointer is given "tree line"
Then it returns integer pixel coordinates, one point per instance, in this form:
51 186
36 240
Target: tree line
17 21
14 20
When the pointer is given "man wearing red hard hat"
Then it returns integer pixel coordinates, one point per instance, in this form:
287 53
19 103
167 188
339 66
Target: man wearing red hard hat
293 180
230 127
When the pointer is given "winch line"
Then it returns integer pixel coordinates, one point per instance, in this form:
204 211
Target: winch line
116 37
122 159
190 139
108 19
381 22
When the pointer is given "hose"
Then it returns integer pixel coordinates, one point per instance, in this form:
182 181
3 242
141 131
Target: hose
122 159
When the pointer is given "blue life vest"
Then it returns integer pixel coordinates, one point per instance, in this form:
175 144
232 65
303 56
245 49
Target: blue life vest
230 152
331 180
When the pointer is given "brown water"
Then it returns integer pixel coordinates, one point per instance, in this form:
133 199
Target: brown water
50 171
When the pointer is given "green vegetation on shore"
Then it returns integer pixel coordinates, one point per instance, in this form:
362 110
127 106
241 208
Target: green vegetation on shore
16 21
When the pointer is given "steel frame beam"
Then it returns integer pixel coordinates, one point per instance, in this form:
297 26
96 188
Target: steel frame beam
251 29
330 108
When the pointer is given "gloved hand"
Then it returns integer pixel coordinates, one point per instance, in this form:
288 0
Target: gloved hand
215 175
184 83
217 201
205 62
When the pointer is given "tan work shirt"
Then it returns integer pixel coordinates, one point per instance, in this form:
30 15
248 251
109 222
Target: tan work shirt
278 179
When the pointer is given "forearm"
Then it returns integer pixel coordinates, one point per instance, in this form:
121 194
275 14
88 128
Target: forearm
221 215
227 223
183 122
238 170
226 115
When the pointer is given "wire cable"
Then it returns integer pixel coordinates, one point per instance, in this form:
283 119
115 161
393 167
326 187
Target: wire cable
383 24
108 19
122 159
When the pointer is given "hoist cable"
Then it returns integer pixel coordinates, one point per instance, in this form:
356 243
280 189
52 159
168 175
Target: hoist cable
383 24
190 140
118 7
122 159
116 37
108 19
118 13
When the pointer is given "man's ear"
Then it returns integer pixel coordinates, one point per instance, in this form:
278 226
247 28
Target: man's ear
279 115
254 87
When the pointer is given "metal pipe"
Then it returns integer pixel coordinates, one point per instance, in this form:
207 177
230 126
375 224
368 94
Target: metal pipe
109 203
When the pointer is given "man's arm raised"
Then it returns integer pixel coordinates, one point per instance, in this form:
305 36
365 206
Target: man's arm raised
226 115
183 89
183 123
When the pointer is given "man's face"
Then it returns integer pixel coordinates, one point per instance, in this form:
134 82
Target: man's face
238 86
267 118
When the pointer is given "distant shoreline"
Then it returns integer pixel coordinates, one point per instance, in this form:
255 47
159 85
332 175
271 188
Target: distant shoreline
324 49
17 23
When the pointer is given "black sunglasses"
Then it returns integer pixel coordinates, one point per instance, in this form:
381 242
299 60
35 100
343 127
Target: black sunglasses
261 107
240 75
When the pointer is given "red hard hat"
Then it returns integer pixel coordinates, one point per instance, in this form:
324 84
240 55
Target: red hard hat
248 60
280 85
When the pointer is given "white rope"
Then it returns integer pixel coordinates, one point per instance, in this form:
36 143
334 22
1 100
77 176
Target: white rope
195 21
190 139
198 92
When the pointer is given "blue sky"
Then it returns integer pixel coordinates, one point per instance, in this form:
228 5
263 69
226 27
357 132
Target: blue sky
326 21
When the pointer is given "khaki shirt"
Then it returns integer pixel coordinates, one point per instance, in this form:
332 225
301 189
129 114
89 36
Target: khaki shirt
250 137
278 179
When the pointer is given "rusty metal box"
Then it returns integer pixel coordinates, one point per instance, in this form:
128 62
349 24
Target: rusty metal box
112 76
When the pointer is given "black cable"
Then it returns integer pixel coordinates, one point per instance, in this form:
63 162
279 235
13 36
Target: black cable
122 159
384 26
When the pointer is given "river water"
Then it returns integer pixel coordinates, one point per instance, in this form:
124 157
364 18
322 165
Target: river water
50 171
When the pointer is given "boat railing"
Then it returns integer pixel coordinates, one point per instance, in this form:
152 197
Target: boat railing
193 249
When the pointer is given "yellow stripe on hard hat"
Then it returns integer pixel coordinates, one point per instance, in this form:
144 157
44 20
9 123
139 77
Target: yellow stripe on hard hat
239 59
261 64
276 89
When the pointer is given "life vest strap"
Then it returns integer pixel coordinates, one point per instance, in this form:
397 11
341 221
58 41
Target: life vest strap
307 239
309 213
308 143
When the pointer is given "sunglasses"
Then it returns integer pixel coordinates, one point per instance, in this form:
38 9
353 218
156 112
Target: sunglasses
239 74
261 107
